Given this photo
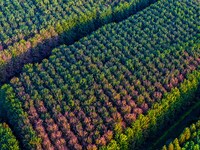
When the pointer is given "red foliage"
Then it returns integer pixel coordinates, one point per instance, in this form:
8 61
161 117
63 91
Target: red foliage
138 111
132 104
1 47
91 147
144 107
130 118
157 95
108 135
101 141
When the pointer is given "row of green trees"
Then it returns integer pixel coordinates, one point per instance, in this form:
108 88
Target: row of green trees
24 40
7 139
189 139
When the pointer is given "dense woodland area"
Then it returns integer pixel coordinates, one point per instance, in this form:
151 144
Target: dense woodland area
112 89
23 19
36 27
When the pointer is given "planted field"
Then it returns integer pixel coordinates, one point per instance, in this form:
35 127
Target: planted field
30 29
113 88
30 17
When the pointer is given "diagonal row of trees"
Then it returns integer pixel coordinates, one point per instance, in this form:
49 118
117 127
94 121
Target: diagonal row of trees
7 140
189 139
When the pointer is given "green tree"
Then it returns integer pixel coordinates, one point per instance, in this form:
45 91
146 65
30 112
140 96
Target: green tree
171 146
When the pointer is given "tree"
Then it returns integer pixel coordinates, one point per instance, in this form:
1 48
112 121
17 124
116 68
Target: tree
7 139
182 138
176 144
187 133
164 147
171 146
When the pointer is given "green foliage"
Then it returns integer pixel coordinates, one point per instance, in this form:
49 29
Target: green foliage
124 81
171 147
18 118
7 139
53 23
189 139
167 105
